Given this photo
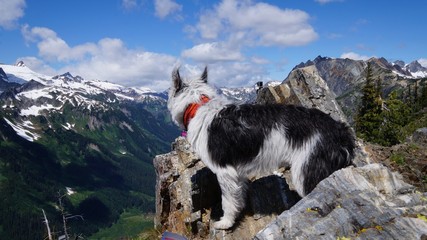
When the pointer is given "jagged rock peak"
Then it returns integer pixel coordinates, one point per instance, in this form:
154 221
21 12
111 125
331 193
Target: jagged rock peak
3 75
415 66
399 63
320 59
20 64
68 77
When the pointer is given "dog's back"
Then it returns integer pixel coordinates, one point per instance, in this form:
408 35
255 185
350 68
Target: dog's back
242 135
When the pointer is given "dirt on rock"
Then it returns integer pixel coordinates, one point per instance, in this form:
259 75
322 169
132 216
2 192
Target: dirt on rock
409 159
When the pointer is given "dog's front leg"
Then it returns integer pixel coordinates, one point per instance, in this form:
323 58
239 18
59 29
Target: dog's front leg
233 189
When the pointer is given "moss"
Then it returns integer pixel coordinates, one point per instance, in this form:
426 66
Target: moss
422 217
398 158
343 238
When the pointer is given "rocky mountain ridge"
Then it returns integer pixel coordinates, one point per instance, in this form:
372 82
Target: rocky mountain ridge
346 77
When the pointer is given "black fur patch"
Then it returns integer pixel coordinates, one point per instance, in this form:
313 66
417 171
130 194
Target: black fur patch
237 134
334 151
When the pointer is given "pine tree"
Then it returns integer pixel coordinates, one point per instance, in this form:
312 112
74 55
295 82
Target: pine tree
395 115
369 119
423 97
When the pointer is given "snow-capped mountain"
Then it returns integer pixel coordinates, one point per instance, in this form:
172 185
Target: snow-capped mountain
28 94
416 69
244 94
21 74
95 137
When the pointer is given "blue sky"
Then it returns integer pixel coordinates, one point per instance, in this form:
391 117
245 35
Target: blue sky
139 42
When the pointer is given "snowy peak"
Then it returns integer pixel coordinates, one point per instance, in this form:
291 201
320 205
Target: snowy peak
414 69
67 83
400 68
21 74
245 94
68 77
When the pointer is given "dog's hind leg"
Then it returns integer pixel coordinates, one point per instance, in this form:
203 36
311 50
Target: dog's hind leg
233 189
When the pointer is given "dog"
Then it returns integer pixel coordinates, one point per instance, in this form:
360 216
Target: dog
239 141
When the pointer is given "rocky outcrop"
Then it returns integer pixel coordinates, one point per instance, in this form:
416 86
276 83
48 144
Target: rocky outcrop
188 198
419 136
346 77
364 202
304 87
369 202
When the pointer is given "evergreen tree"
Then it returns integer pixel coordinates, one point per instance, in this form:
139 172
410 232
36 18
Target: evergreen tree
395 115
369 119
423 97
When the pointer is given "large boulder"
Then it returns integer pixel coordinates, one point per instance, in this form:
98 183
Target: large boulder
369 202
303 87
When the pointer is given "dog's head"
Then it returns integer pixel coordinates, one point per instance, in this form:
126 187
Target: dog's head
183 93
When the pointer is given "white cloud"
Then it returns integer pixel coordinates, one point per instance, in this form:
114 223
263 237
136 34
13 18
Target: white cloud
230 74
258 24
51 47
129 4
38 65
259 60
212 52
108 59
423 62
10 12
164 8
355 56
229 29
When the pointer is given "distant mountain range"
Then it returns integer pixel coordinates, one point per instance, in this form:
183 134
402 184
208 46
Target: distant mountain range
64 132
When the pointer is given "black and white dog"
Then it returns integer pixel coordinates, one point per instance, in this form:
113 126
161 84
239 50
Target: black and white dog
240 141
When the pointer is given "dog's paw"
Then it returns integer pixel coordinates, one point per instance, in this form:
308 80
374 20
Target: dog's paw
223 224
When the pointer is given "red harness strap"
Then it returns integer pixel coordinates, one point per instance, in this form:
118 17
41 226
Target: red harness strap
191 110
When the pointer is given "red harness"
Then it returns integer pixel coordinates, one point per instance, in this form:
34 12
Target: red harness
191 110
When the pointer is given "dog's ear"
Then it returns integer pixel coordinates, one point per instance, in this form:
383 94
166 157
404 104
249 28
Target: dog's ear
176 79
204 76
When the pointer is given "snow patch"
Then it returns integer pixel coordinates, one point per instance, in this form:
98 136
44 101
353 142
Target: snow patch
35 94
35 110
70 191
22 131
68 126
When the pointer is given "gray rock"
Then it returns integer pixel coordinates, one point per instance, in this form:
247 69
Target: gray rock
419 136
304 87
369 202
188 198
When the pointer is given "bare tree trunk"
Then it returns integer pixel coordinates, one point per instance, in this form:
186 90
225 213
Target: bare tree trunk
64 217
49 234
